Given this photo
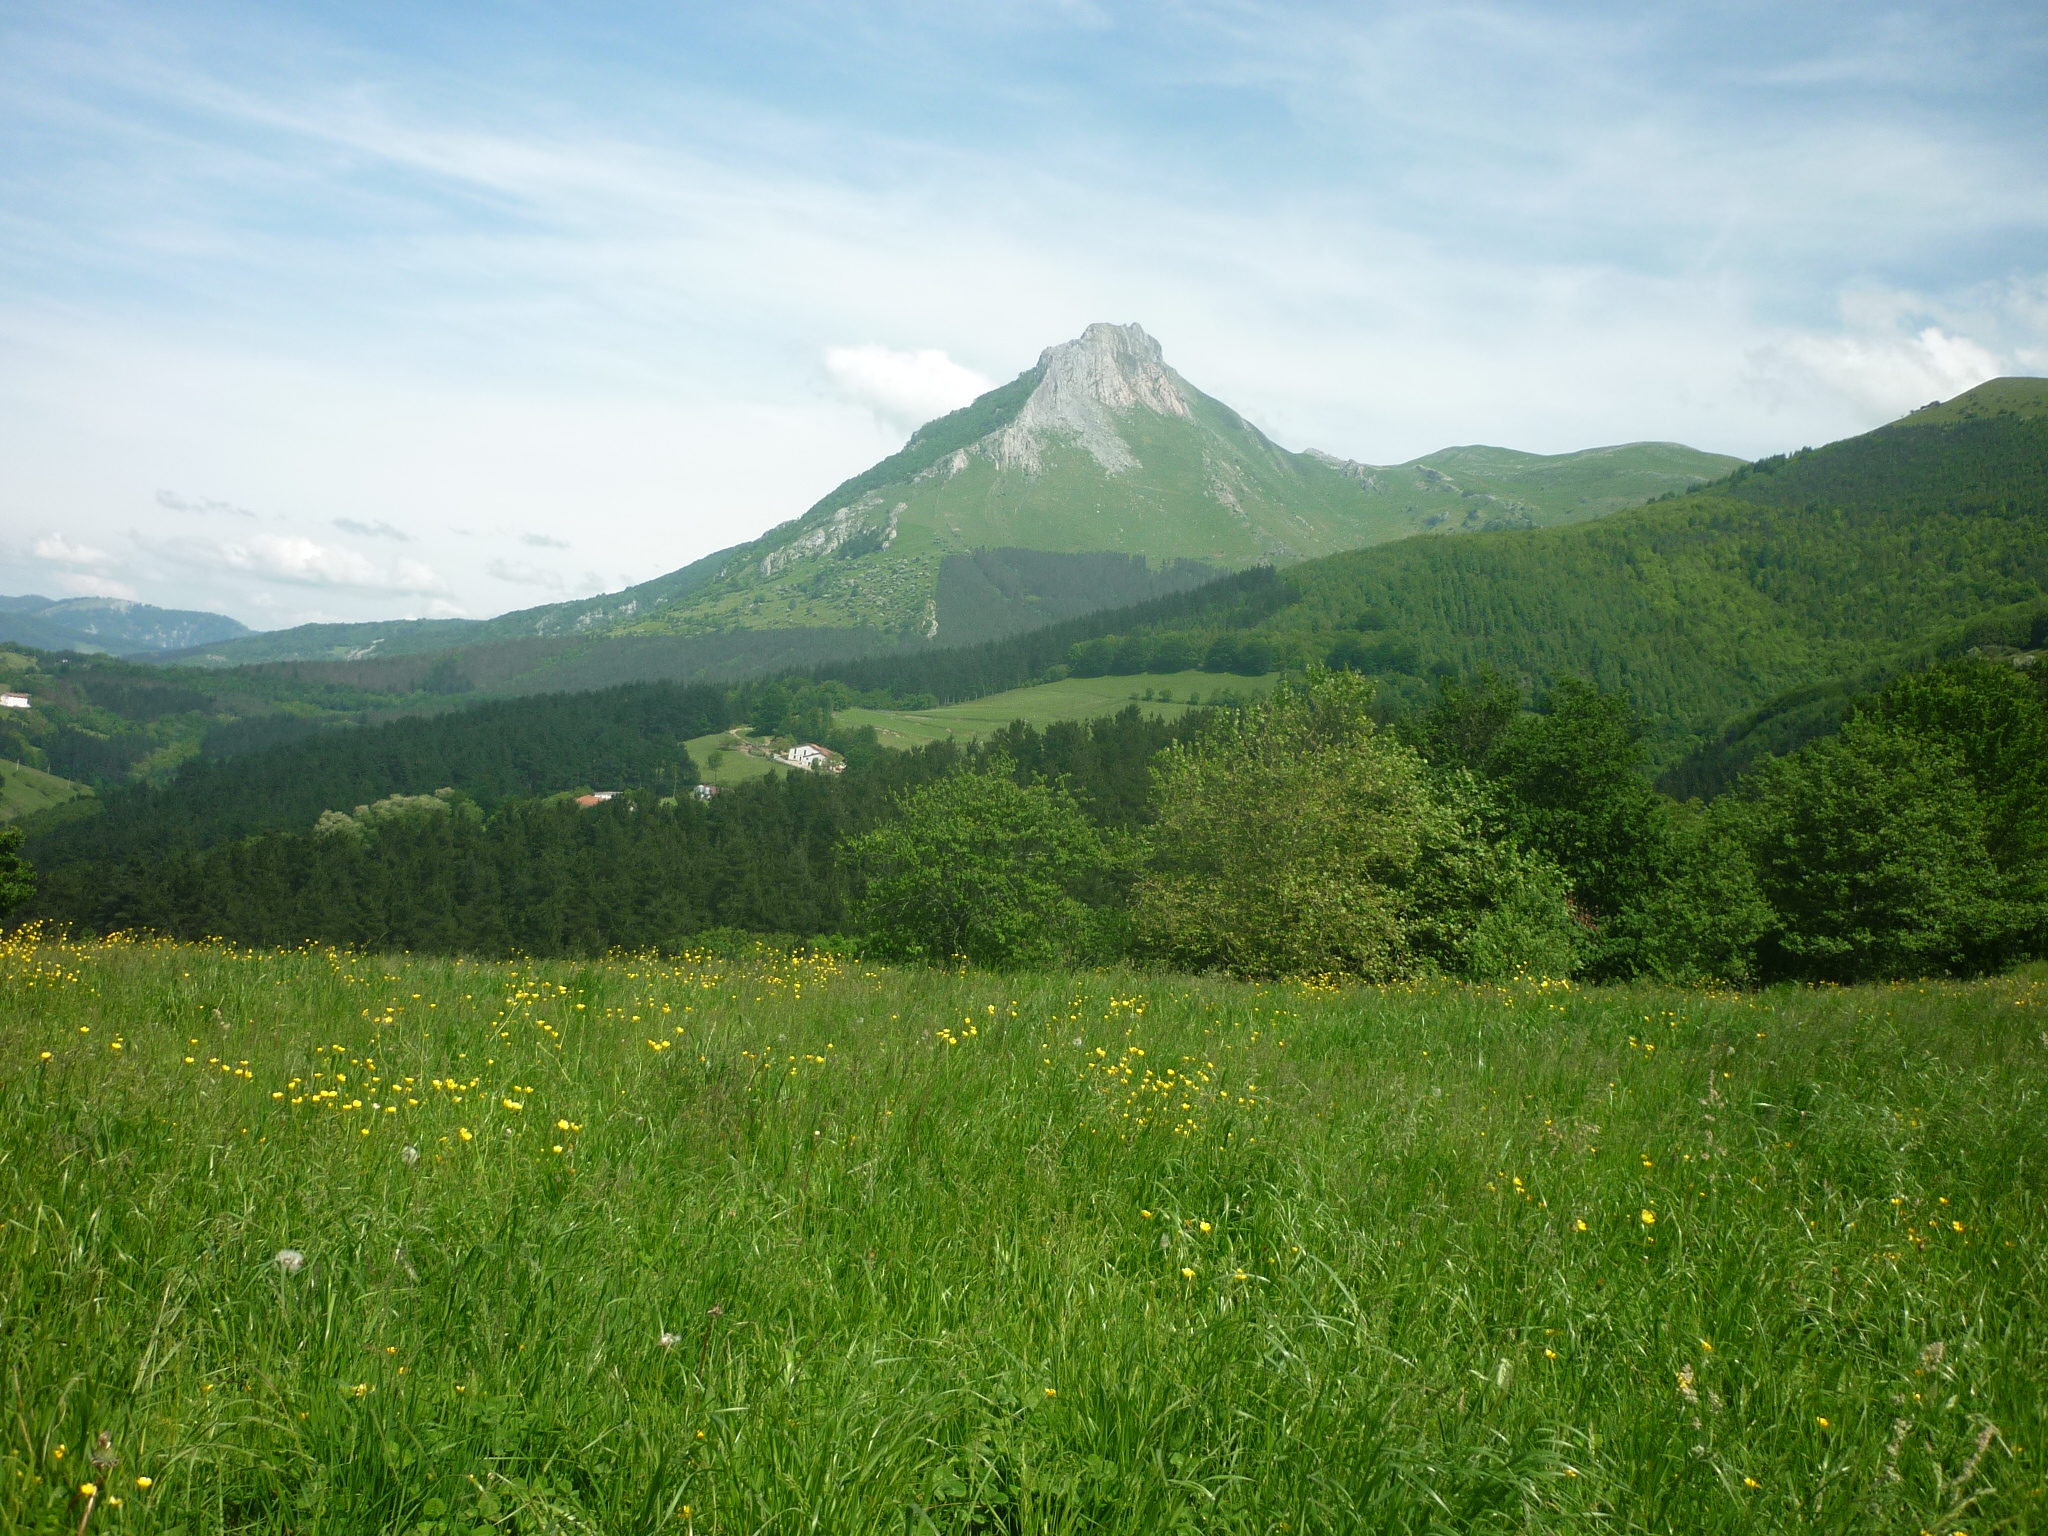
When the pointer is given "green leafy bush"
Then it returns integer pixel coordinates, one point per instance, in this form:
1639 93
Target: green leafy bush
1871 847
979 867
17 879
1295 838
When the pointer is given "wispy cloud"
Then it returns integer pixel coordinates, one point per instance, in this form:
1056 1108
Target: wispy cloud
204 506
299 561
543 541
57 548
522 573
376 530
1884 376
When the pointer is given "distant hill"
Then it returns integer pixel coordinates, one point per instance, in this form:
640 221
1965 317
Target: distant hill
1098 477
109 625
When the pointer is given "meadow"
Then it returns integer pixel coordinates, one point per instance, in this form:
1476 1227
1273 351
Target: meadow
25 790
329 1242
1073 698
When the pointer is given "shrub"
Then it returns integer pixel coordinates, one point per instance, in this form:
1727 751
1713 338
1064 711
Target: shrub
1870 845
981 868
1294 838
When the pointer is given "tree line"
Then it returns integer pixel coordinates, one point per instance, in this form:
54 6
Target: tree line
613 738
542 875
1482 839
1485 837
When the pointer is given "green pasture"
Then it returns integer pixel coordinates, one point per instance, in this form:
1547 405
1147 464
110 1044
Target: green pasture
1073 698
24 789
720 761
324 1242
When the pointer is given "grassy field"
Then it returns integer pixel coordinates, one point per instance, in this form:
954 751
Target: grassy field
336 1243
24 789
720 761
1073 698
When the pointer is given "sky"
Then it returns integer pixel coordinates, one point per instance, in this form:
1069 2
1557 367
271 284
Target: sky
343 312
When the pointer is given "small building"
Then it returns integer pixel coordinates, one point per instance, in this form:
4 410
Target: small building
598 798
13 701
703 791
809 756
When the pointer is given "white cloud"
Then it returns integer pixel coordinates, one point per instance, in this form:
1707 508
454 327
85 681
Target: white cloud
543 541
299 561
904 389
1883 376
56 548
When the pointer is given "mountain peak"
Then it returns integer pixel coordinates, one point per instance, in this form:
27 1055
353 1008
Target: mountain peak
1083 386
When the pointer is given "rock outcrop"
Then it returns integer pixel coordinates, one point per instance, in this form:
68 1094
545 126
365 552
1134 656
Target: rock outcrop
1086 385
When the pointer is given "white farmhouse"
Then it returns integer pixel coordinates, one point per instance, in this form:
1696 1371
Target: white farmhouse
807 757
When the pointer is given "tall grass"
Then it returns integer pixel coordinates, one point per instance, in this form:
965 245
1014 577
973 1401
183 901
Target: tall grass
786 1244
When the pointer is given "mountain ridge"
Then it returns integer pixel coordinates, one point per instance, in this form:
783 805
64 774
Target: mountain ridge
110 625
1100 449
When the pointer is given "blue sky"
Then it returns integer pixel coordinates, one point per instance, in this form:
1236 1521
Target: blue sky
363 311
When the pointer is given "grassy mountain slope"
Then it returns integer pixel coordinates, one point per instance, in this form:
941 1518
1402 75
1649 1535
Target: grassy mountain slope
2024 397
1464 490
25 790
1167 696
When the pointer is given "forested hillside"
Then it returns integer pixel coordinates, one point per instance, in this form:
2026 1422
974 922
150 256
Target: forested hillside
543 875
1703 607
103 721
609 739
